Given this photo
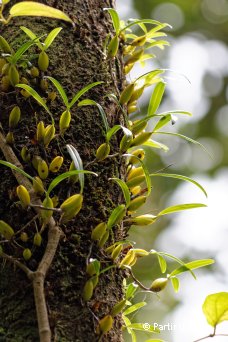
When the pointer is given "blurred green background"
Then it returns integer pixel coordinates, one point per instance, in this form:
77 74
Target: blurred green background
197 81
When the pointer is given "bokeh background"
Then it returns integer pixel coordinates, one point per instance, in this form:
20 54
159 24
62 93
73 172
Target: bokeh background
198 82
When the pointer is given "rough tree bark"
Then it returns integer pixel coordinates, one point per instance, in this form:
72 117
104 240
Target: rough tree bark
76 59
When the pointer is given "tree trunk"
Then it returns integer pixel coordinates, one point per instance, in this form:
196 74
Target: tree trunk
76 59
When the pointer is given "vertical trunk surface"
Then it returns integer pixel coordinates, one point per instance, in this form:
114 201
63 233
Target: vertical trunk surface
76 59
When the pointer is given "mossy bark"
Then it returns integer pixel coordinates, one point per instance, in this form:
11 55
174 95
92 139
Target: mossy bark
76 59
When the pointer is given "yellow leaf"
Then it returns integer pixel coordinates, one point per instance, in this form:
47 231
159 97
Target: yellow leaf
30 8
215 308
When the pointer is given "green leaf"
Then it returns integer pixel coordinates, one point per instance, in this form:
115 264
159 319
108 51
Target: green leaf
131 289
133 335
156 98
140 327
127 322
116 215
162 122
15 168
184 178
156 144
35 95
145 169
51 37
77 163
162 263
159 43
172 257
83 91
60 89
65 175
176 112
89 102
185 138
150 77
5 2
15 57
30 8
215 308
156 29
107 268
124 188
32 36
134 308
112 131
97 265
181 207
144 21
175 283
149 117
191 266
115 19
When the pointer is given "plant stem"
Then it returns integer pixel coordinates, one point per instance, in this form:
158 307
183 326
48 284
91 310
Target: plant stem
138 282
39 276
211 335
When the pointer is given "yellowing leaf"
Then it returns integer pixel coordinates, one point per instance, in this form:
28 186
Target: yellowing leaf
215 308
30 8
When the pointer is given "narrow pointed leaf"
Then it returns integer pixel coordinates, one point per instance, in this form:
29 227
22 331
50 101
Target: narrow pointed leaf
185 138
83 91
215 308
179 261
116 215
15 58
150 76
149 117
60 89
127 322
181 207
15 168
144 21
112 131
156 98
124 188
159 43
181 177
156 144
77 163
162 263
88 102
32 36
134 308
35 95
191 266
115 19
175 283
65 175
51 37
131 289
30 8
133 335
162 122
